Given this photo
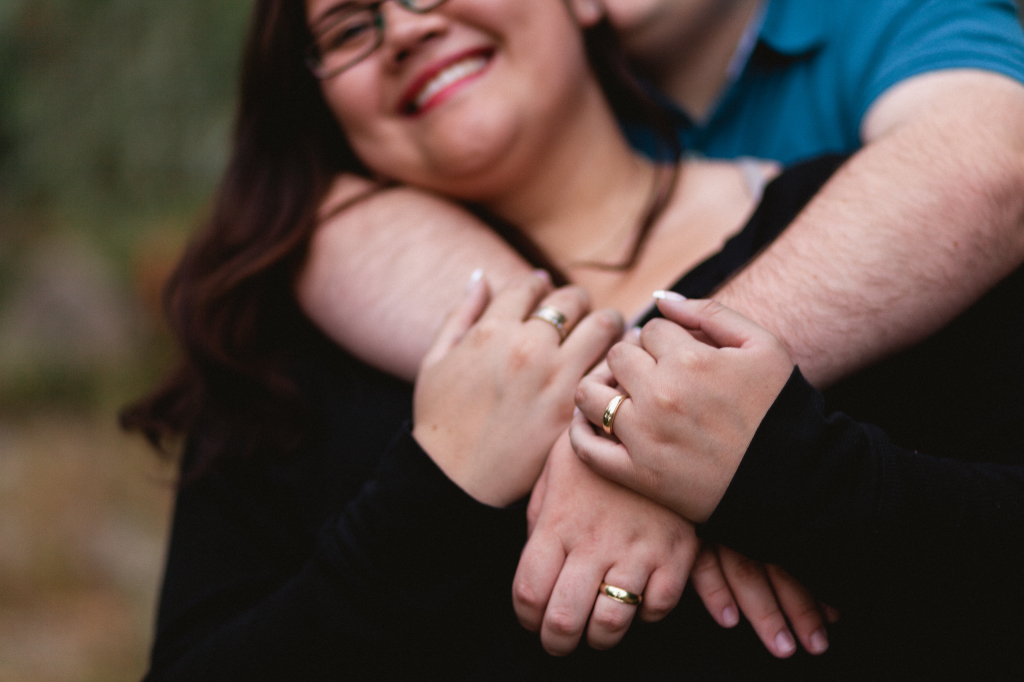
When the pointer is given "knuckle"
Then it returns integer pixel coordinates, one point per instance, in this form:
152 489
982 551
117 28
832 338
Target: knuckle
583 453
655 612
561 623
523 353
705 562
615 353
526 285
658 605
654 329
700 363
481 333
711 308
662 397
608 321
611 620
717 592
746 570
577 296
582 394
535 285
656 325
525 596
807 615
768 615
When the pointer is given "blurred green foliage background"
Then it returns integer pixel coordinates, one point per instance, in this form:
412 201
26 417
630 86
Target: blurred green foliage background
114 125
114 119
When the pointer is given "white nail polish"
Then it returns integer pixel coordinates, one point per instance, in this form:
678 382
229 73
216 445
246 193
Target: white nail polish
477 275
668 296
635 332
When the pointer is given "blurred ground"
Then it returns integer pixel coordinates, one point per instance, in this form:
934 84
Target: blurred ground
83 515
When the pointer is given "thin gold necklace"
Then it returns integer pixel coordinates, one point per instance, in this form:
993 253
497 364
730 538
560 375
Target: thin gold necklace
666 177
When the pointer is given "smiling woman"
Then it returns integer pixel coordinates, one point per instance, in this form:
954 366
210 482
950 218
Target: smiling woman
467 100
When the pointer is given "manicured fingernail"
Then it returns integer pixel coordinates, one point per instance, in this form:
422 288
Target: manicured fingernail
543 274
668 296
819 641
635 331
784 642
576 412
730 616
477 275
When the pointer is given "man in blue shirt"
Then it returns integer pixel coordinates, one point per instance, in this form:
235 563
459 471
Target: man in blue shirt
927 215
804 74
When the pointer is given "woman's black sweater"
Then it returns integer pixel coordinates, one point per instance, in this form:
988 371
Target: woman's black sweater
358 559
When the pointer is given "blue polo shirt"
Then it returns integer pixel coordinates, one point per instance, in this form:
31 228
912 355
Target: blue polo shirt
818 65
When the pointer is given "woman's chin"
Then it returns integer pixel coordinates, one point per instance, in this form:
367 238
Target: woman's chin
471 160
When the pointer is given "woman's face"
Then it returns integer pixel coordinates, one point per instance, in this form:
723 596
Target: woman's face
460 99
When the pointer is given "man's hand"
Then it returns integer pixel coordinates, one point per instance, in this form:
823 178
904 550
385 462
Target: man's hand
767 595
585 530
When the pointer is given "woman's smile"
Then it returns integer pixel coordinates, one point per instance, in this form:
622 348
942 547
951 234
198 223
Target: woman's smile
465 98
443 79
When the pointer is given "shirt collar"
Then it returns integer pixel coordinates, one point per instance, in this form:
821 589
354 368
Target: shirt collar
794 27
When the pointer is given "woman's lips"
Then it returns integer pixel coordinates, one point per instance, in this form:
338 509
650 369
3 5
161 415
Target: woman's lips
442 79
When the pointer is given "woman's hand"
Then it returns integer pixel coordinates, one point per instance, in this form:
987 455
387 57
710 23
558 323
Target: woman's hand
496 388
767 595
693 404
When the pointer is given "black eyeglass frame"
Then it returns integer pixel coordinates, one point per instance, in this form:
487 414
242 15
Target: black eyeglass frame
313 57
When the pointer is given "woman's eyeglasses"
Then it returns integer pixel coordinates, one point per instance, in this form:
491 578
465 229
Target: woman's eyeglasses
350 32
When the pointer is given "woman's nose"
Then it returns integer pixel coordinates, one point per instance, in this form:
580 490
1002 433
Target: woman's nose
406 31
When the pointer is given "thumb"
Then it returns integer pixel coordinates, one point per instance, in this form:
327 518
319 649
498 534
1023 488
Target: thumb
459 320
723 326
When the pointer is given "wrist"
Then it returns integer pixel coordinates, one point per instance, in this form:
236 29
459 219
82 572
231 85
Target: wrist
481 479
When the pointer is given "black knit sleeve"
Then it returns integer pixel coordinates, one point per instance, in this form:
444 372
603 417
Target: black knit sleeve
372 594
860 520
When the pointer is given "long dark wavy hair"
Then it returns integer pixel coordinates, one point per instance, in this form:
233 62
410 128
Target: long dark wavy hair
230 301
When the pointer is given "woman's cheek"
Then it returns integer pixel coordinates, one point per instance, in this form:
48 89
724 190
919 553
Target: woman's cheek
354 97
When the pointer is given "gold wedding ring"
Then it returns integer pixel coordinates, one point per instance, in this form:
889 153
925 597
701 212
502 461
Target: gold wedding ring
608 419
553 317
620 595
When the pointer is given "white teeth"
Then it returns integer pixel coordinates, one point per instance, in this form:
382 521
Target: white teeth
452 74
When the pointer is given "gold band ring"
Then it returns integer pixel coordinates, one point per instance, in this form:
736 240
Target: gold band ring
553 317
620 595
608 419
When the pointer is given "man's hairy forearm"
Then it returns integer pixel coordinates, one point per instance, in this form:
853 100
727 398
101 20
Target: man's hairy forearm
383 274
908 234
